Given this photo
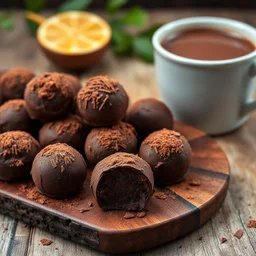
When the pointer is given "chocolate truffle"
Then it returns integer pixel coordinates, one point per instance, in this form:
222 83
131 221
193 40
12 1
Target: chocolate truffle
102 142
168 153
102 102
48 97
122 182
69 130
14 116
17 152
14 81
149 115
59 171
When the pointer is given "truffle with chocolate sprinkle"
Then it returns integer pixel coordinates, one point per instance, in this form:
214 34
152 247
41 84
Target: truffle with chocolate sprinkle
102 101
59 171
169 155
48 97
102 142
17 152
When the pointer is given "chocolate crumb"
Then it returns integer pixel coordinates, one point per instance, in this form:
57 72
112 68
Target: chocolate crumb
180 246
223 240
129 215
239 233
45 242
84 210
190 197
251 224
141 214
194 182
160 195
200 238
90 204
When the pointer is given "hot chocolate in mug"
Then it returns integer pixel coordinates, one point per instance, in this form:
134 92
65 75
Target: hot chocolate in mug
213 95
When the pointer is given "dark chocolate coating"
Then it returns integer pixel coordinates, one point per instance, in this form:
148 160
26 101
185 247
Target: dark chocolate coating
14 81
50 133
14 167
46 108
74 83
94 147
56 181
122 181
14 116
167 171
111 113
149 115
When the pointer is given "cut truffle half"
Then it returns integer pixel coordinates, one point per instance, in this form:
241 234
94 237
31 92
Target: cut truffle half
122 181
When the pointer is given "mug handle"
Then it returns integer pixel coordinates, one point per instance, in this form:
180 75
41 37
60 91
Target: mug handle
250 106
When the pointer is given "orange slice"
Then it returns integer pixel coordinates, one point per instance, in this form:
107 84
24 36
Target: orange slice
74 33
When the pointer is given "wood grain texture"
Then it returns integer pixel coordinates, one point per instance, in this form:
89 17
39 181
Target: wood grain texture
19 49
185 208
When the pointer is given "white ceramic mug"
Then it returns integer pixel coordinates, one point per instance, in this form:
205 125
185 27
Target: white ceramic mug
215 96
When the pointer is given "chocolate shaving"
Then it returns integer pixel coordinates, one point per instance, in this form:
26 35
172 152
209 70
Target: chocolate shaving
165 142
60 155
129 215
84 210
223 240
141 214
160 195
251 224
97 91
45 242
239 233
194 183
13 143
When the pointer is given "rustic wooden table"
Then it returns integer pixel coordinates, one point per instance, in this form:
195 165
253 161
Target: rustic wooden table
19 49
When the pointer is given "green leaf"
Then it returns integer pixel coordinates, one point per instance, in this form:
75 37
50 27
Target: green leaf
114 5
143 48
150 31
117 24
35 5
32 27
6 22
74 5
121 42
135 16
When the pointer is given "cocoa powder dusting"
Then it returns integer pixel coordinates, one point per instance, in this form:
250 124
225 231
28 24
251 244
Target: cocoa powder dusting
97 91
114 137
15 105
165 142
13 143
70 125
60 155
16 77
48 85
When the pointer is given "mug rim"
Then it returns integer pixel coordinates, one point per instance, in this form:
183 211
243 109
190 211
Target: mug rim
207 21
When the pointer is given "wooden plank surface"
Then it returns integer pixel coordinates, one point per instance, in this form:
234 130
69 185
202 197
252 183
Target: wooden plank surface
19 49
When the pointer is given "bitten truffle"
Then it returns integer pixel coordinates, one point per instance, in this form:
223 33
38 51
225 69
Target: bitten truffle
168 153
102 142
59 171
149 115
14 81
14 116
17 152
69 130
122 181
102 102
48 97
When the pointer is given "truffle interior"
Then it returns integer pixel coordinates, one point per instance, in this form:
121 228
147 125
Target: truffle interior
123 188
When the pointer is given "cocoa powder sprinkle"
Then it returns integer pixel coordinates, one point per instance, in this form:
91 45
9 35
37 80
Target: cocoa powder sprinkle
97 91
15 105
47 85
69 125
60 155
114 137
165 142
15 142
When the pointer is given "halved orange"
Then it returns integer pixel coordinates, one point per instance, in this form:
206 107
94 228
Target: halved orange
74 39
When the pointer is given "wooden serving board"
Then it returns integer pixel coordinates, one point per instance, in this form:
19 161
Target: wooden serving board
185 208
